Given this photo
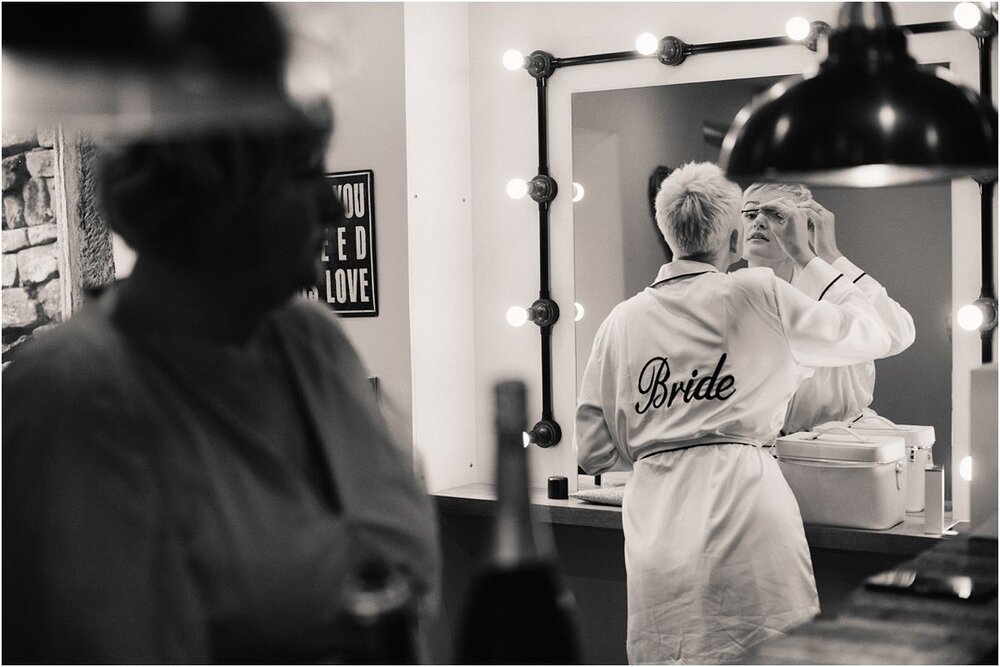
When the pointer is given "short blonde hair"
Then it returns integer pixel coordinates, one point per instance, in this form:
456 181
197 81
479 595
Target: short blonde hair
797 192
696 208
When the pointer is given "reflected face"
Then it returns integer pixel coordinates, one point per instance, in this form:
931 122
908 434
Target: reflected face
758 239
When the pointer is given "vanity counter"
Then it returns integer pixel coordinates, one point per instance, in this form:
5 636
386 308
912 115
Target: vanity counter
906 539
590 543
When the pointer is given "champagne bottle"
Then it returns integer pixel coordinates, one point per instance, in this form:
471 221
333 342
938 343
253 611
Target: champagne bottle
519 610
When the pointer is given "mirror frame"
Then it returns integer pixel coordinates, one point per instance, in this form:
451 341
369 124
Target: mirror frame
555 212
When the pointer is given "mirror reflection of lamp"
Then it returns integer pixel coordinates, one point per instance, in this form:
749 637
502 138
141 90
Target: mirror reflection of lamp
578 192
578 311
965 468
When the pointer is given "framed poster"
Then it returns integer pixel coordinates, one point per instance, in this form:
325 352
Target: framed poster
349 283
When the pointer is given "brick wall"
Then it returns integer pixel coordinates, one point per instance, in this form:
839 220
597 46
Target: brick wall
32 286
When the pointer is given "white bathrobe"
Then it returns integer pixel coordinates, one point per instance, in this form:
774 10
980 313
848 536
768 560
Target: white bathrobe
842 392
685 381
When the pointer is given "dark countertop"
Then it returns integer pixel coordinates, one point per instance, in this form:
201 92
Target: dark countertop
879 627
905 539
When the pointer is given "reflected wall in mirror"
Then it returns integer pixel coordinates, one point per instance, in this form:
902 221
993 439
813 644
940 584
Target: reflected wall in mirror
901 236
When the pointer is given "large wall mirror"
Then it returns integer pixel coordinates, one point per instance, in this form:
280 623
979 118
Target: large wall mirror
902 236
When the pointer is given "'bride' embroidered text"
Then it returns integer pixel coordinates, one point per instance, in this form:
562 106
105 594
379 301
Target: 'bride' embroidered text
656 373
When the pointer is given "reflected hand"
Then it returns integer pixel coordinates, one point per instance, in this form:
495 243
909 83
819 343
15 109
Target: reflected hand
790 226
823 235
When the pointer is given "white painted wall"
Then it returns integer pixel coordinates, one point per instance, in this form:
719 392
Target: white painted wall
368 90
439 184
504 127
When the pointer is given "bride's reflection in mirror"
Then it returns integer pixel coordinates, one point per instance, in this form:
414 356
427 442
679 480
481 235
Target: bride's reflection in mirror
829 394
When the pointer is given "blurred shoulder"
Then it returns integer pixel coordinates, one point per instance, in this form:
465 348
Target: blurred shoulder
312 324
82 354
309 312
77 388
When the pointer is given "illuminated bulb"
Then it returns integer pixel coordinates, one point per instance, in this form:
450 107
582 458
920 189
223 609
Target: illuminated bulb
579 312
968 15
797 28
577 192
647 43
516 188
525 438
965 468
516 316
970 317
513 59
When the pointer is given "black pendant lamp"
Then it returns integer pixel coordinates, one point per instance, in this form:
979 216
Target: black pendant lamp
142 68
868 117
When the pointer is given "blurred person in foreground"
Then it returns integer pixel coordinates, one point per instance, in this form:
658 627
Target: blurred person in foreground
207 465
842 393
686 382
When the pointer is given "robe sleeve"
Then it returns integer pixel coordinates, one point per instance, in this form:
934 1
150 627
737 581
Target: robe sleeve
597 448
897 320
827 320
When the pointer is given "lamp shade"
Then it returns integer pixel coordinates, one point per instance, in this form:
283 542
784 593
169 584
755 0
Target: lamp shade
136 67
868 117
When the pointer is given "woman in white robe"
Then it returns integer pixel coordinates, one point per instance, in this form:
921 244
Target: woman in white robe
685 382
830 394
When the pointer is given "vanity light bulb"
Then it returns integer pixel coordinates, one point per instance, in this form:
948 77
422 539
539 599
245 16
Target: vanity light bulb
965 468
970 317
513 59
578 312
578 192
968 15
797 28
516 188
526 439
647 43
516 316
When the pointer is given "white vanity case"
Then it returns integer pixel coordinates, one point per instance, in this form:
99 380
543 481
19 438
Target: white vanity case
918 440
841 478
